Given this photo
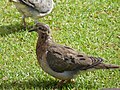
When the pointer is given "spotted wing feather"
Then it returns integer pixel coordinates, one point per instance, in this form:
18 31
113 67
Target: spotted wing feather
61 58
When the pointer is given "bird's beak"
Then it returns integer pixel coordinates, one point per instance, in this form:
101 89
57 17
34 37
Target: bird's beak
33 29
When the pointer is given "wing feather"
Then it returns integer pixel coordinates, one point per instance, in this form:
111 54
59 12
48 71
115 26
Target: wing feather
61 58
28 3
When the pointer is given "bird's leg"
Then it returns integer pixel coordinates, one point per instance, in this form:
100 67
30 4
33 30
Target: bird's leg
24 23
70 81
59 84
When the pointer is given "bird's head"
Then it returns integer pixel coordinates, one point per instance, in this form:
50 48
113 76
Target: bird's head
41 28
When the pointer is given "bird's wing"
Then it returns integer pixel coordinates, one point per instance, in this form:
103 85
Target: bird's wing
28 3
61 58
43 6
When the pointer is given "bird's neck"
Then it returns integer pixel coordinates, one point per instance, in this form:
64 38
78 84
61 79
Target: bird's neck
42 45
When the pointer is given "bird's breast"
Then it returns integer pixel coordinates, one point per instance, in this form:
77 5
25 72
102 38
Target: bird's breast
66 75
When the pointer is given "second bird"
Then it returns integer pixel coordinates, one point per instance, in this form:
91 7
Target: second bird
33 8
63 62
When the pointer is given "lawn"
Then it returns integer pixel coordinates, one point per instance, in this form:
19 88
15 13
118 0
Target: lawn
89 26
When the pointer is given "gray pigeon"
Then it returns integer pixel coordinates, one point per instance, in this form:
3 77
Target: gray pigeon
33 8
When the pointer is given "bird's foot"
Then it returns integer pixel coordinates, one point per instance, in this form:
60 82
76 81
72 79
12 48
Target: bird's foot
24 25
70 81
59 84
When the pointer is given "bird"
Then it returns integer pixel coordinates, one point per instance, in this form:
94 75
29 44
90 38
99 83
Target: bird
33 8
63 62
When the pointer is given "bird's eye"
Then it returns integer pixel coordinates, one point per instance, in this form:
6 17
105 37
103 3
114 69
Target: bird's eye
40 28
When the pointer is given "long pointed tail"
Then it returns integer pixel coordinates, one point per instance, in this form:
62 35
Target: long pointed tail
97 63
106 66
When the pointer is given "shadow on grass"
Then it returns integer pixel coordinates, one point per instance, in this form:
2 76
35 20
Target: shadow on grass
8 29
32 84
28 84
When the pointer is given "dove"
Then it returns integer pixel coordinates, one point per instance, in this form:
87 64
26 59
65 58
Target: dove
63 62
33 8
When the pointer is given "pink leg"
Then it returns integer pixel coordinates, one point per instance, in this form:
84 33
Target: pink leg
70 81
59 84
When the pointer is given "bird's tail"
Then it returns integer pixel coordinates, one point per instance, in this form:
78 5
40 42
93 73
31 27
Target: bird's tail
98 64
106 66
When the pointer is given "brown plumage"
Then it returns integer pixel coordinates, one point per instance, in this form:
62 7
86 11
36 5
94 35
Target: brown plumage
60 61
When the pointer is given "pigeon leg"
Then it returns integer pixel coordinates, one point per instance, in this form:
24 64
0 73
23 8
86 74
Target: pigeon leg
70 81
24 23
59 84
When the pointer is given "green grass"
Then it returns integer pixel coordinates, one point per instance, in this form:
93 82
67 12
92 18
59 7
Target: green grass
90 26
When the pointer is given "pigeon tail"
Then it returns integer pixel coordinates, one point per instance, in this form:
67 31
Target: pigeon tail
106 66
97 63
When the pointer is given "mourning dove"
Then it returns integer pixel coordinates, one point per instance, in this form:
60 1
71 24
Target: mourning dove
63 62
33 8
